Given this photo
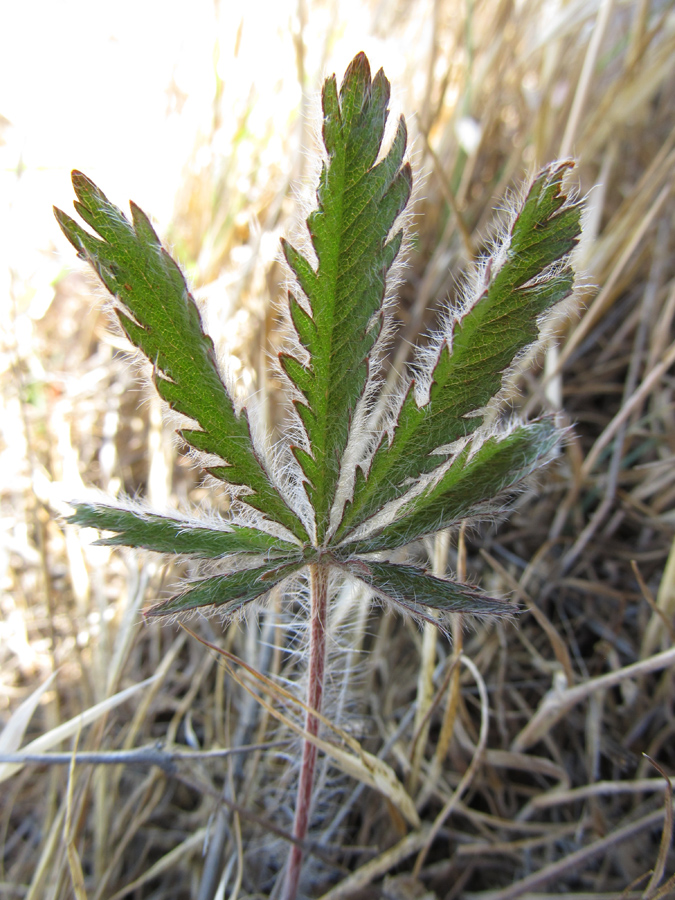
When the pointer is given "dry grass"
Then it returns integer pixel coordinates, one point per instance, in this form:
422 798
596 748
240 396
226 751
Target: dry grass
539 753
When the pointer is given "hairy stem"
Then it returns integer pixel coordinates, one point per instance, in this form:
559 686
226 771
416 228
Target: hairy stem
317 665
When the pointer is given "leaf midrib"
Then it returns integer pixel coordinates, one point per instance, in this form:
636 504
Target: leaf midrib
326 336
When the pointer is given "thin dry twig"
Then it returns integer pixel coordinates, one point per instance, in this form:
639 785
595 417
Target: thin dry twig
574 861
467 777
558 703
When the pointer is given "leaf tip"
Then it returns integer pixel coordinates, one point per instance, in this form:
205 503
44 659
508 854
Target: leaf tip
62 218
81 183
71 231
359 68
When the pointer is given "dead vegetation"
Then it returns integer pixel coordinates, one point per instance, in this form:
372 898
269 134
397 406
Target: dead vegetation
538 754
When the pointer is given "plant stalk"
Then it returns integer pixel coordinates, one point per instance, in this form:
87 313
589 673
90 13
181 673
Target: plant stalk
316 672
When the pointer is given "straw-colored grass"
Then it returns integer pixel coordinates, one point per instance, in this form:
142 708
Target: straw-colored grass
537 756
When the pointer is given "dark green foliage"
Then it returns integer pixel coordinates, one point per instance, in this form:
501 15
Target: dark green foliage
229 593
358 202
338 314
424 595
469 487
499 324
161 318
168 534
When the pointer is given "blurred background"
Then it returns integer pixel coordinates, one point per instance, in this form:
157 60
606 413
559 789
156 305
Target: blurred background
206 116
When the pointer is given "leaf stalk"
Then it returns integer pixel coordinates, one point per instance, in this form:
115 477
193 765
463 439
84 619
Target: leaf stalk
316 672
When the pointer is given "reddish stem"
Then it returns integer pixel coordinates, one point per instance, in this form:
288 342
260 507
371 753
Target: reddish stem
317 666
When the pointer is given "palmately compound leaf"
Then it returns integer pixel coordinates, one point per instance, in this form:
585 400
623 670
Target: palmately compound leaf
407 484
359 200
171 534
161 319
483 344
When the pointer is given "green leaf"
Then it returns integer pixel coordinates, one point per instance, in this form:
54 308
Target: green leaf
424 595
406 484
168 534
474 481
227 594
161 318
359 200
485 341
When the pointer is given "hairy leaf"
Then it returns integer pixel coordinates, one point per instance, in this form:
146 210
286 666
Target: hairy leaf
425 595
167 534
359 200
485 341
406 485
474 481
227 594
161 318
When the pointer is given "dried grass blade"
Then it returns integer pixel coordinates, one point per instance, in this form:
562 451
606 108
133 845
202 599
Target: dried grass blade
555 705
666 836
359 763
74 863
71 727
13 732
166 863
467 777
